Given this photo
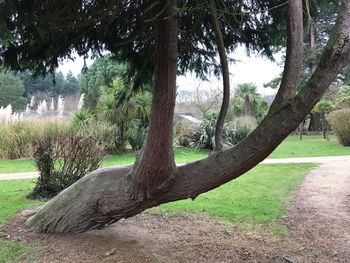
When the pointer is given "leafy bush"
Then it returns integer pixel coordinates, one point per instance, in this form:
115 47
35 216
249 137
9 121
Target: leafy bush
102 133
236 131
183 133
83 117
233 132
340 121
62 160
204 135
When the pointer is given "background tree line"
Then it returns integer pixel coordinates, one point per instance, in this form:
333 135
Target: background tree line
18 88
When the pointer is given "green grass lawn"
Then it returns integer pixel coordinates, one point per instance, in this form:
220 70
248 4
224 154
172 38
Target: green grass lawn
12 196
313 145
17 166
182 155
291 147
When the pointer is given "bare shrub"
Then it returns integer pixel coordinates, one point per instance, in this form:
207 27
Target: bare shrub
62 160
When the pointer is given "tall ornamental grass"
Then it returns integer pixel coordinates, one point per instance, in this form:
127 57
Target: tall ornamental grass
16 138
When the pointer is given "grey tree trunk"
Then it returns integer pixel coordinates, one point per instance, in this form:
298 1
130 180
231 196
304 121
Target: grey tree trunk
301 127
103 197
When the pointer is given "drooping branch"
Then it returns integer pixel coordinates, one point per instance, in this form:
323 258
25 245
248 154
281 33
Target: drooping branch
292 67
101 198
225 75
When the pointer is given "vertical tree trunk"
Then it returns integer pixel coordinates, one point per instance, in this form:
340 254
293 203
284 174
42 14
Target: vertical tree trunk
301 127
155 168
324 126
315 122
247 106
225 76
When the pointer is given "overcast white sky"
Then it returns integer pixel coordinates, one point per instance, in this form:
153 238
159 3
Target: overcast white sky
247 69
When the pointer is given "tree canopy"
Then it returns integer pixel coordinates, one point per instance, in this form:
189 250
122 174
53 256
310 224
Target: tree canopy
101 73
51 85
11 91
51 31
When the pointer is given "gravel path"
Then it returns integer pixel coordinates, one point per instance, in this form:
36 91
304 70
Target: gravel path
319 218
14 176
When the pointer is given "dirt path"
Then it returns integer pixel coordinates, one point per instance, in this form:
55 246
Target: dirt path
319 219
318 222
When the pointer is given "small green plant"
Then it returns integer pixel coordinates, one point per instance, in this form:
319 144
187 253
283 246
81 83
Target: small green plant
236 131
83 117
233 132
63 160
203 137
136 135
340 121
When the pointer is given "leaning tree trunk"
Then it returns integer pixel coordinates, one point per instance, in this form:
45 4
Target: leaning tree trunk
225 76
102 197
292 67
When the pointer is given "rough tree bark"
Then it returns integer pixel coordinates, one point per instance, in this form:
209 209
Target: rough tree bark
155 169
312 35
225 75
103 197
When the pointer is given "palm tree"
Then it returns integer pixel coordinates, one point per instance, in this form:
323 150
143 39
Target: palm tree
324 107
247 91
117 113
119 104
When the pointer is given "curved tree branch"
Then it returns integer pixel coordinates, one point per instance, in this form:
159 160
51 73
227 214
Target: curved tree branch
292 67
225 75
